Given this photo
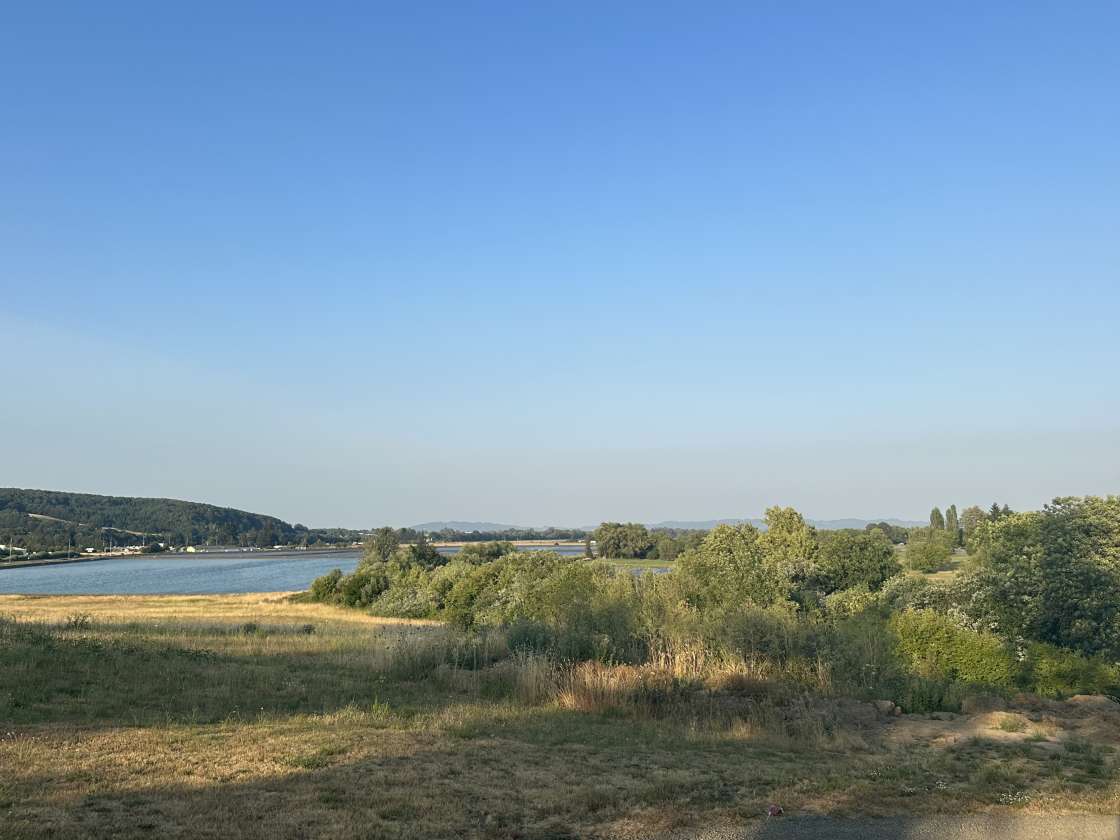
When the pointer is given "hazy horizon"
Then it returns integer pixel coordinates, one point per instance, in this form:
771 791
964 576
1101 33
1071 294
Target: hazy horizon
537 265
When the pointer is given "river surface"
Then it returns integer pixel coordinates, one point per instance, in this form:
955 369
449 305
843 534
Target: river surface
192 574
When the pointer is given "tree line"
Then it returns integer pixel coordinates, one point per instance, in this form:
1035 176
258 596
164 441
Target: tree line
1037 609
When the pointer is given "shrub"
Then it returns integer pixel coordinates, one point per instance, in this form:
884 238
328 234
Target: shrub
325 587
404 600
1054 672
364 586
586 609
732 568
78 621
848 602
753 632
935 646
484 552
862 657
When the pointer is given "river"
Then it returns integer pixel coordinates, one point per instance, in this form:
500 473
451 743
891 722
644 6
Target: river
192 574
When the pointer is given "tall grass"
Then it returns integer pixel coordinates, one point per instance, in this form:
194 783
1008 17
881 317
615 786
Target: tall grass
686 685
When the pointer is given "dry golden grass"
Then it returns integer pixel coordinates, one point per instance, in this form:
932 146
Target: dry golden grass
262 606
219 716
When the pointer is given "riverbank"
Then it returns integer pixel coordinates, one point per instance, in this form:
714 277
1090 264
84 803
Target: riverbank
255 716
59 561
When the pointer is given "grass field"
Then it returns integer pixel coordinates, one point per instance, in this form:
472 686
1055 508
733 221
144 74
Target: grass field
253 716
956 564
645 565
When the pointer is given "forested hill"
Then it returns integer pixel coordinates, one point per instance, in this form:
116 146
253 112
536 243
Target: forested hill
40 520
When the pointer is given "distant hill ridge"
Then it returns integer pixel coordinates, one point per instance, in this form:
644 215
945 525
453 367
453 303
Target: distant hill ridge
41 520
458 525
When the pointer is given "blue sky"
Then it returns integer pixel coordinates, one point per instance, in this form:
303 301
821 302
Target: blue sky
365 263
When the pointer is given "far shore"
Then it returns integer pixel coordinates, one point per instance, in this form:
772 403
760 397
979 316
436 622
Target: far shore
278 552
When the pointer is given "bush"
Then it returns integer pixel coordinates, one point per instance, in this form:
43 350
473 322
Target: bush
78 621
934 646
325 587
862 657
484 552
407 596
754 632
364 586
732 568
1054 672
849 602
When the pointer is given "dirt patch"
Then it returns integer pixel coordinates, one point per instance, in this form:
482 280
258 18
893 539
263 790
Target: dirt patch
1046 723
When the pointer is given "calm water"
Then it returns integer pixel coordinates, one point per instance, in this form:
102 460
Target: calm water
180 574
189 574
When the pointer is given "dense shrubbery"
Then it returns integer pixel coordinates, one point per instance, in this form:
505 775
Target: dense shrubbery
632 541
850 559
828 611
1052 576
932 645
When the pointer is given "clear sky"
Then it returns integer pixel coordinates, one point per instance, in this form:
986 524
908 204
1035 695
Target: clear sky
555 263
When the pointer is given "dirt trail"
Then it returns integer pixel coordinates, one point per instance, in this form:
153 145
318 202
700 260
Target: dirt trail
982 827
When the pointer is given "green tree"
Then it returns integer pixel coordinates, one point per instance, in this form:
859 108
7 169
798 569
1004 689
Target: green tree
895 533
951 522
971 518
952 525
1052 576
382 544
671 545
616 540
731 569
936 520
854 558
423 554
788 541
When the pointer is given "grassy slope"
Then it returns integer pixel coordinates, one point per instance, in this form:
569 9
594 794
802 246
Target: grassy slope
166 716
